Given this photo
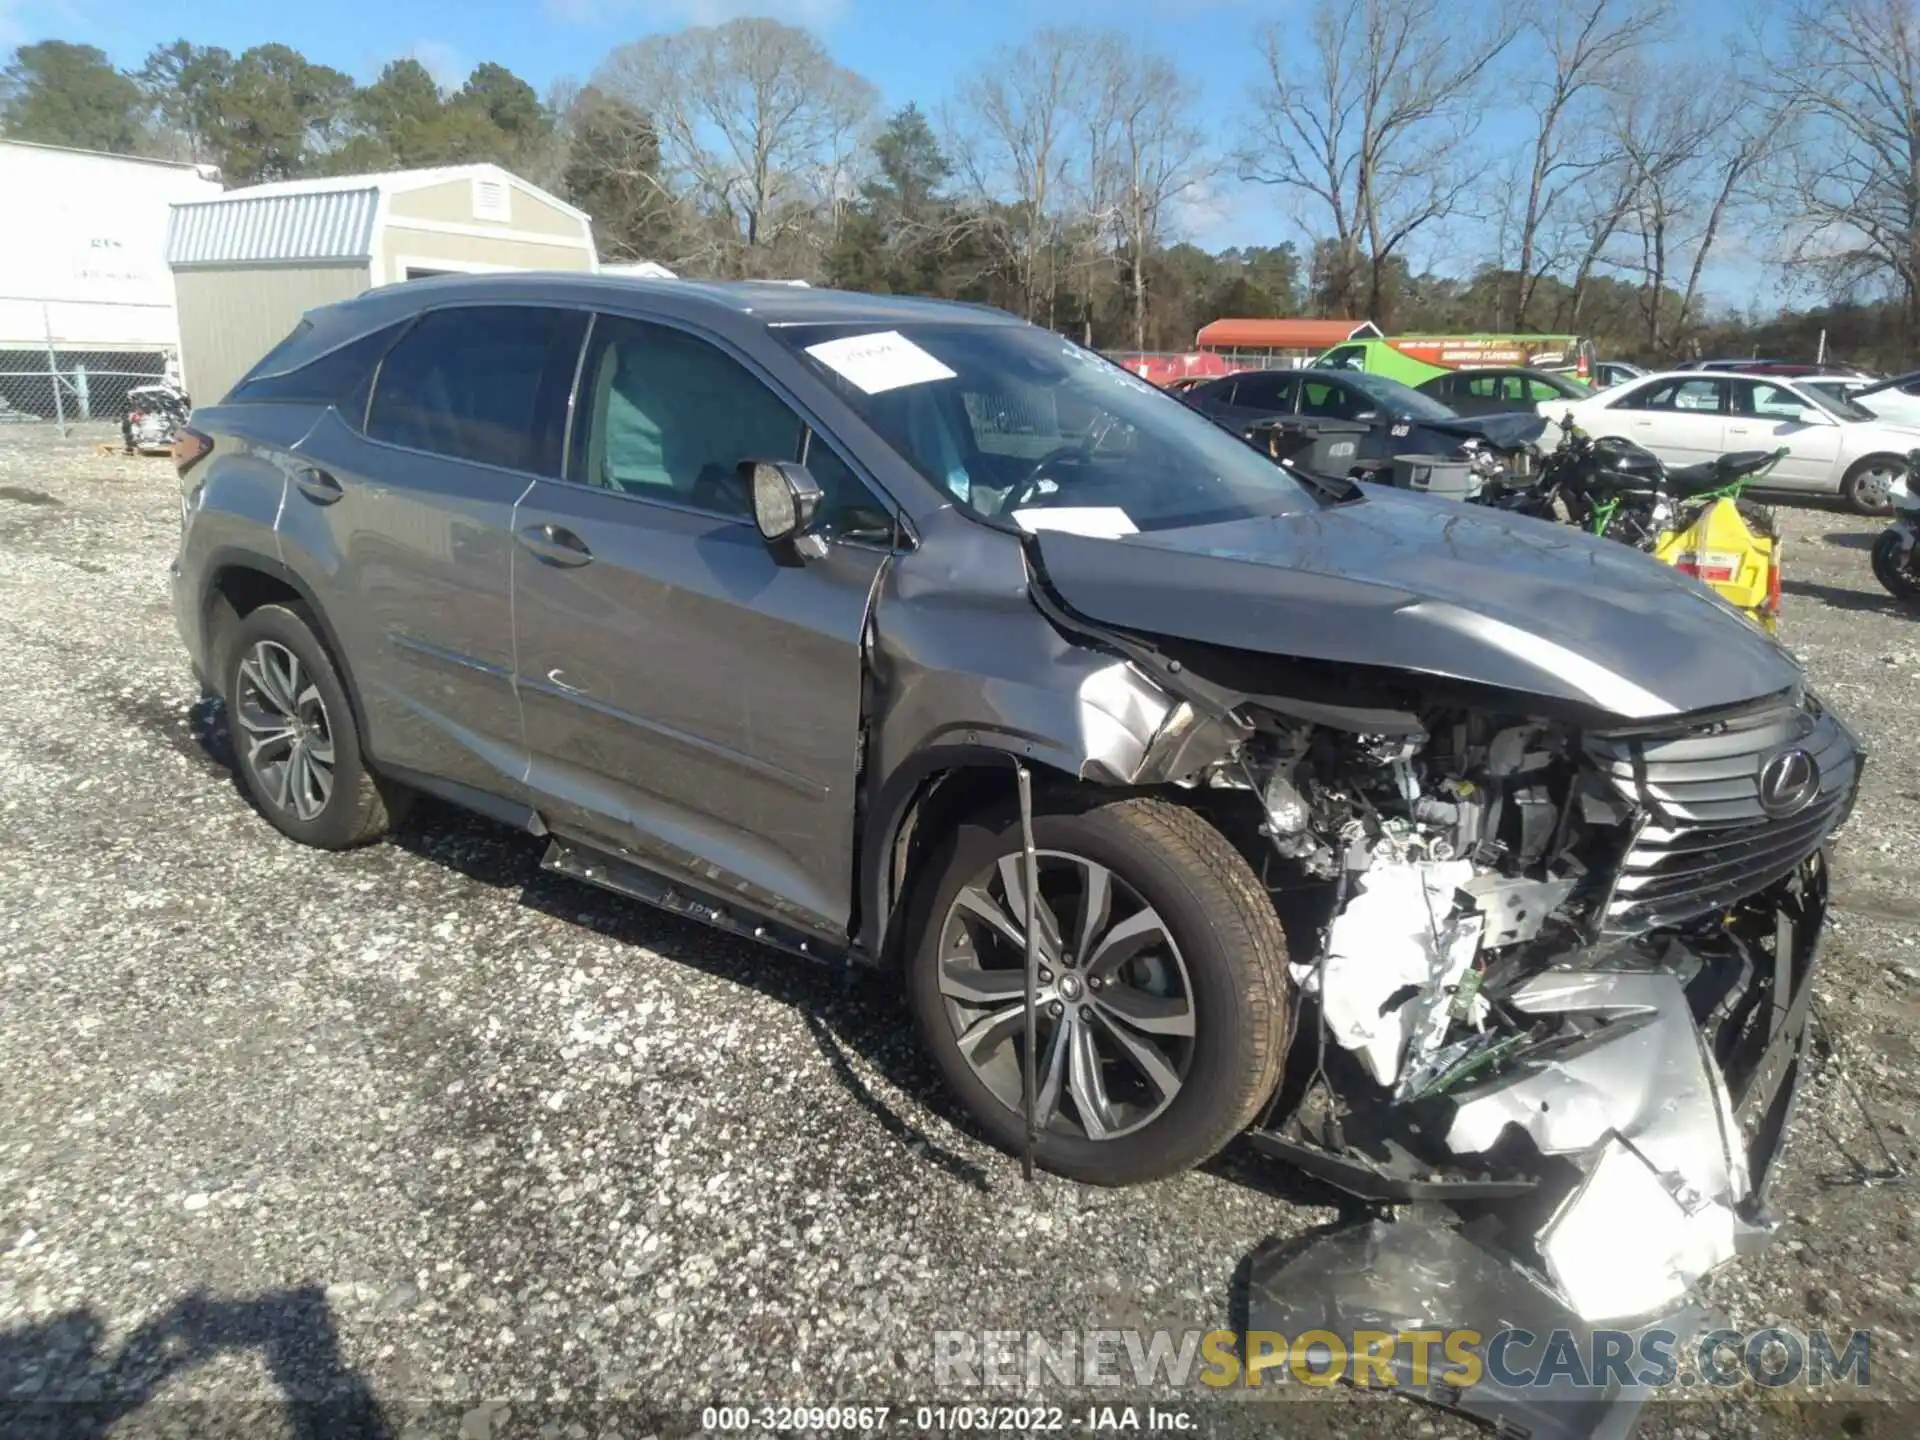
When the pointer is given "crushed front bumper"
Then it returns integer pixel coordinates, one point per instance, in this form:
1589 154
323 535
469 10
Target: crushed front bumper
1648 1148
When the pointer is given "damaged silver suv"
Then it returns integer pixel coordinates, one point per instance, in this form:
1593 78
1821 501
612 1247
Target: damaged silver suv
1457 857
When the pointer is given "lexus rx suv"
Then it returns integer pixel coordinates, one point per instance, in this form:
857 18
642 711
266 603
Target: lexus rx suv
1446 854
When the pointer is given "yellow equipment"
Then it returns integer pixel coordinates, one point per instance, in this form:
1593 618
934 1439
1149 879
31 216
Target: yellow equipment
1735 548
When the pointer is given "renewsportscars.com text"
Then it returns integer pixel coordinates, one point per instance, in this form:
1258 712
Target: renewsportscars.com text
1517 1359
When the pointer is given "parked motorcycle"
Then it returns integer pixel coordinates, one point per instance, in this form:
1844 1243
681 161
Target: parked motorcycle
1896 563
1695 518
155 416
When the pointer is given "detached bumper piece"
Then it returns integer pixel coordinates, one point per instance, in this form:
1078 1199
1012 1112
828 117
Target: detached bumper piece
1610 1167
1393 1276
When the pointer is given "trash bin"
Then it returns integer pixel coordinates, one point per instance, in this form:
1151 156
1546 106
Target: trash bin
1436 475
1317 443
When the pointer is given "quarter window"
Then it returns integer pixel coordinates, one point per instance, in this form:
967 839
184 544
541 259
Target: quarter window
324 380
485 383
664 415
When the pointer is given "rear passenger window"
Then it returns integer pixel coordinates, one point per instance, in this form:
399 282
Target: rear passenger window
1267 390
325 380
485 383
1693 396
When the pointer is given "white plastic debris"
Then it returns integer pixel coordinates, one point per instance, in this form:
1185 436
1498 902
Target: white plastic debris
1395 956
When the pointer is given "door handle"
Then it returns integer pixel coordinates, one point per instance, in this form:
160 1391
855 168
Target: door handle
317 485
554 545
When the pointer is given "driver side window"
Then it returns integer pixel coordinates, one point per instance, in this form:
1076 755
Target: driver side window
1770 402
664 415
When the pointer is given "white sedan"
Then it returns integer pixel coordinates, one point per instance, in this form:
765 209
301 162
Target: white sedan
1896 400
1834 446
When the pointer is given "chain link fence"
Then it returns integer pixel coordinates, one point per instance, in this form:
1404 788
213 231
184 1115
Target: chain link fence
69 391
62 383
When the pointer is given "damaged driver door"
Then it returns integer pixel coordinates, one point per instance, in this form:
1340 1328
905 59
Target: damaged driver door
692 696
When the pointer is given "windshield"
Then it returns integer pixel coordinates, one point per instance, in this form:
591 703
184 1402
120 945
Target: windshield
1402 400
1831 396
1019 425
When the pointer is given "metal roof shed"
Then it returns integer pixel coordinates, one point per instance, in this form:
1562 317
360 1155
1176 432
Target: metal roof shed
248 265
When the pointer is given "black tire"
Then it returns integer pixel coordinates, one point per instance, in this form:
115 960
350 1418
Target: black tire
1895 571
1854 488
356 807
1227 941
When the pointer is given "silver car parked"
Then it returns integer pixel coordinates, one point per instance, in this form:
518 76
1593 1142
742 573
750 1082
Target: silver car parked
1452 855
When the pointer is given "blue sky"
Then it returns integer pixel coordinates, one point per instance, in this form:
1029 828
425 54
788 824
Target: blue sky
912 51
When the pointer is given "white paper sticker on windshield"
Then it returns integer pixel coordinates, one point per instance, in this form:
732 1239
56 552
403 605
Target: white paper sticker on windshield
1102 522
883 361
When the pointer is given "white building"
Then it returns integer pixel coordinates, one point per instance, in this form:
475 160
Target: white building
83 252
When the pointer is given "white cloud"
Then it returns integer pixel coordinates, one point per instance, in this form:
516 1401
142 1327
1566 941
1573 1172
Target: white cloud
667 13
448 65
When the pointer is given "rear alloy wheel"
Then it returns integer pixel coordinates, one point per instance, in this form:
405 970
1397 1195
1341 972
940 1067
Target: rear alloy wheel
285 727
1160 997
294 737
1868 487
1895 570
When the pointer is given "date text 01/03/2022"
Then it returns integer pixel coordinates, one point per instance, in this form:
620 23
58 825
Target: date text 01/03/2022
872 1419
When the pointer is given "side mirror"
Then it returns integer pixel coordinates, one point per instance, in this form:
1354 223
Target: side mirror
785 498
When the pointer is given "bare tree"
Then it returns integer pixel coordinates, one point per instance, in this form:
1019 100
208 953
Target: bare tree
1161 154
1370 123
754 121
1855 78
1694 152
1586 49
1663 138
1601 206
1015 139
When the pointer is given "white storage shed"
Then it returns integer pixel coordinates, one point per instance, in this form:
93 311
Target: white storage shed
247 265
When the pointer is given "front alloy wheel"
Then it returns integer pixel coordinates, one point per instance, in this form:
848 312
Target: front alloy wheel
285 730
1115 1020
1161 1003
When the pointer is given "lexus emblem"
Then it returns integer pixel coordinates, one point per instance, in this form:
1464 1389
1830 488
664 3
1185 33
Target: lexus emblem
1787 782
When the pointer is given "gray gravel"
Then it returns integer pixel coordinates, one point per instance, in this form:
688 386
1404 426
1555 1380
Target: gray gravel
458 1147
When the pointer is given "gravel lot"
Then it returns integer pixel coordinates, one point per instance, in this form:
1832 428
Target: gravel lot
433 1143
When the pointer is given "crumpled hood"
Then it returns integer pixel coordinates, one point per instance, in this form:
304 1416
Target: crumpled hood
1410 582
